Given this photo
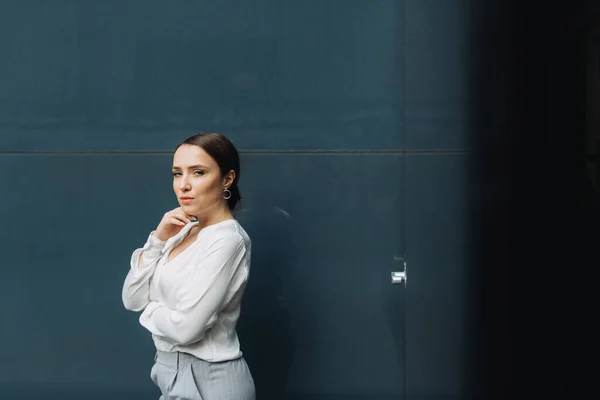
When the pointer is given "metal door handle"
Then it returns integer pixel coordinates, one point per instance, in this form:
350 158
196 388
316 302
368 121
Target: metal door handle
399 277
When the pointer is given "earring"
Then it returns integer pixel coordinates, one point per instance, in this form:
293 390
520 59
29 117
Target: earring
226 194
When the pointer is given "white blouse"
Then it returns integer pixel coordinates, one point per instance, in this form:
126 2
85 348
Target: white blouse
192 303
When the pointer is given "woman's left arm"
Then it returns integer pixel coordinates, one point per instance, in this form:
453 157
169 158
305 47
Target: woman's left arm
200 298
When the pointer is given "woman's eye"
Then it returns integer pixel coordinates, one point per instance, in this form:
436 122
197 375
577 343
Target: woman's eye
197 172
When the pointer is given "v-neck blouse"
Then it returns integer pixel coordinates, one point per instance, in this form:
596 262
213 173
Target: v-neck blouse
192 303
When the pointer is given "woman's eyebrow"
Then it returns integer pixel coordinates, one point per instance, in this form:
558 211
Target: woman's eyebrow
191 167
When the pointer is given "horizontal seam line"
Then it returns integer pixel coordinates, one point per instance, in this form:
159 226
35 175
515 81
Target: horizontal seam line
242 152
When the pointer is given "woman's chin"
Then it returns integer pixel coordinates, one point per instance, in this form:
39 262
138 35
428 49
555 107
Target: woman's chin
188 208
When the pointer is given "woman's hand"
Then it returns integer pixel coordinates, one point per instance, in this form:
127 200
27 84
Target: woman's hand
172 223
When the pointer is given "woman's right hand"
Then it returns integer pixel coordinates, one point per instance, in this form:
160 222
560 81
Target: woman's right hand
172 223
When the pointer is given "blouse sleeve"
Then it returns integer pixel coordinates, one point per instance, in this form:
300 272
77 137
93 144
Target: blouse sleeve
136 288
201 297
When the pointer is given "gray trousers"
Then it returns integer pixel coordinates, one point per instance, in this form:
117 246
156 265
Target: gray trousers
181 376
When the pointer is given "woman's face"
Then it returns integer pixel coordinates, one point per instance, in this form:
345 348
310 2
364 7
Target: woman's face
197 181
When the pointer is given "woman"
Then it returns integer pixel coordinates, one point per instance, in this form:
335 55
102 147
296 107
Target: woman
189 277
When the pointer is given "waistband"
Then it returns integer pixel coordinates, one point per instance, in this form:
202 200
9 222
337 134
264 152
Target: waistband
174 358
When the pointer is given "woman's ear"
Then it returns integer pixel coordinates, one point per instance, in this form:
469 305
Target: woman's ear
229 178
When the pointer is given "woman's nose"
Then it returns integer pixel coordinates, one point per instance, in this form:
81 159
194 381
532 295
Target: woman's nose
185 184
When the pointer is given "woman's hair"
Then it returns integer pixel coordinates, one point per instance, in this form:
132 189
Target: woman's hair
225 154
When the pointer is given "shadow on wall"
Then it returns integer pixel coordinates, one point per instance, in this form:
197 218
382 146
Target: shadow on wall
264 326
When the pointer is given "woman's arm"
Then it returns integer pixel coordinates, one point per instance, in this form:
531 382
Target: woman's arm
201 296
142 266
